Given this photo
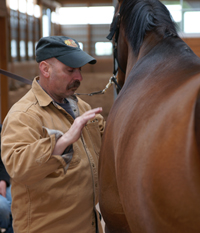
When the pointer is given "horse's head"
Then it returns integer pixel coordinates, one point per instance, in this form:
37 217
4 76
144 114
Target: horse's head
138 25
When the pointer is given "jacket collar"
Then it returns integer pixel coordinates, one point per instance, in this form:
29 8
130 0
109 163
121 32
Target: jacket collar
42 97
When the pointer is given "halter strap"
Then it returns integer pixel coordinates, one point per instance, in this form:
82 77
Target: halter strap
114 27
115 31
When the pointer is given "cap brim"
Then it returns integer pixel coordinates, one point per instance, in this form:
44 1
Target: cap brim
76 58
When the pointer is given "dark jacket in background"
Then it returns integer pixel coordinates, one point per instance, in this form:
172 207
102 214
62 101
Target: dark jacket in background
3 173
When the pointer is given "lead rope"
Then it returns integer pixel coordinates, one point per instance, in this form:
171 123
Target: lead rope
16 77
111 81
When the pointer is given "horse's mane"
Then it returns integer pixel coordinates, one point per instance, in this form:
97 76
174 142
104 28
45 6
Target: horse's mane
141 16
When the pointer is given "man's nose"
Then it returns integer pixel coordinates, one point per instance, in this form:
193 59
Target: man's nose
78 75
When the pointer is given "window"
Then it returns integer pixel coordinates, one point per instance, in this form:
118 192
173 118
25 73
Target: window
54 17
175 11
81 45
100 15
13 48
37 11
30 7
103 48
22 6
24 29
86 15
73 15
13 4
30 49
190 22
22 49
186 13
46 22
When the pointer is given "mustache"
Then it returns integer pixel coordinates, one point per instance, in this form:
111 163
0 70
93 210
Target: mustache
75 84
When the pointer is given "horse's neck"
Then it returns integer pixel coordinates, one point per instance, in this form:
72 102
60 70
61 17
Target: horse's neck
131 60
149 43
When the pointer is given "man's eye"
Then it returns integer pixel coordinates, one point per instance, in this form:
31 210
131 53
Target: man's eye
70 70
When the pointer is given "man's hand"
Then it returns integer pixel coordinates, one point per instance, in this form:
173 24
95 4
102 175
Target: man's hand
3 188
74 133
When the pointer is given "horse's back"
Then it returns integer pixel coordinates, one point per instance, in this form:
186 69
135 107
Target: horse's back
149 163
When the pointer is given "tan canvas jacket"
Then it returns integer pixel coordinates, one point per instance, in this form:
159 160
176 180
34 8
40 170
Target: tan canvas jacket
48 194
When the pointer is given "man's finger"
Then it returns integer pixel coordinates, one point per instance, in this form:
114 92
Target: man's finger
95 110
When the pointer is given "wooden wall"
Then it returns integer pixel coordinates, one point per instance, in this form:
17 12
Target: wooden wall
3 8
3 61
29 69
194 44
26 69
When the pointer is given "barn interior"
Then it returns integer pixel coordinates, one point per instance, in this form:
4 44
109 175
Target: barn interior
24 22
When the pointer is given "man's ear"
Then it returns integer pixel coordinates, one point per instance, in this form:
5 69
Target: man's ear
44 69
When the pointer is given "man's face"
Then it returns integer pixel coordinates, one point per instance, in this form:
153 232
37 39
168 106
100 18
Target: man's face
63 80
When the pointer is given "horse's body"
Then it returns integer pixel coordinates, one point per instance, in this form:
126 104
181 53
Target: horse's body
149 171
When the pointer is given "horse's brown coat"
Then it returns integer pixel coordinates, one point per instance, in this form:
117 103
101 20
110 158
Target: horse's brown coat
149 170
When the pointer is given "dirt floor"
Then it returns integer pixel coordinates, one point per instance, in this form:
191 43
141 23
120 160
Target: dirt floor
91 82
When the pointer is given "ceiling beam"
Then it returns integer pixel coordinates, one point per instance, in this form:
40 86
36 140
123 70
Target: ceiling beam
62 2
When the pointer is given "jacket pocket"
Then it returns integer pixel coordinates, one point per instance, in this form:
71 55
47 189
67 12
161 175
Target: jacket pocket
75 158
94 134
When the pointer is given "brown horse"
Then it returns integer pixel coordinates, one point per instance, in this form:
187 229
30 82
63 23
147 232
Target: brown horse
149 170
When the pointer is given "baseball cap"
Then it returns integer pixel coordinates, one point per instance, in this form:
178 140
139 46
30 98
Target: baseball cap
67 50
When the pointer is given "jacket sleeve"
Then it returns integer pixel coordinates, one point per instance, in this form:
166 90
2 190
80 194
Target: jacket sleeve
27 149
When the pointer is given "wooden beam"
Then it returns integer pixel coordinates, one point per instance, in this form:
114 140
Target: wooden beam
63 2
27 37
18 37
89 38
3 10
3 65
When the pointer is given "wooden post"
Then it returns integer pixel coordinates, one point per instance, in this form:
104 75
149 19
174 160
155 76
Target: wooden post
89 38
3 65
18 37
27 39
89 32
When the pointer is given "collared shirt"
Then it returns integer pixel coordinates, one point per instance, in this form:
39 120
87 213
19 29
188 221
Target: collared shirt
67 107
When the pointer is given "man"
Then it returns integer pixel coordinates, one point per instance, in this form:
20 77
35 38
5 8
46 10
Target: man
50 146
5 199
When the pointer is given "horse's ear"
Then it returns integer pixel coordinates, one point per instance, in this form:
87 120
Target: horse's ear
150 22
